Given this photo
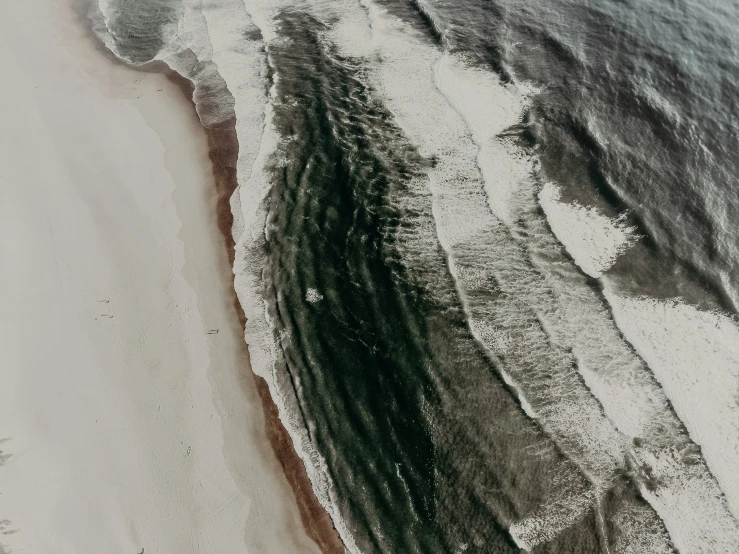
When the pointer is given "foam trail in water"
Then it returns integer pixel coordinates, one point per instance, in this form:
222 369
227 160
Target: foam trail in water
594 240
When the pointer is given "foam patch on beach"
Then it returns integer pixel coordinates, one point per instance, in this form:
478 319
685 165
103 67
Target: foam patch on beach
593 239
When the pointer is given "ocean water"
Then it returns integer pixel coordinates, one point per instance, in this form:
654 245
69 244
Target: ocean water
487 255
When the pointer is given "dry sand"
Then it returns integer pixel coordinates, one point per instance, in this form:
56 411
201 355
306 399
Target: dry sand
128 425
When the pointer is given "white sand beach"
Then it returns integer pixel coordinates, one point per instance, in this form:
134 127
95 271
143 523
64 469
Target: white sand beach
131 425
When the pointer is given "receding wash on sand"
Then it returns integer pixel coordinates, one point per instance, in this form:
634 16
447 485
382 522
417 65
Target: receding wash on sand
369 276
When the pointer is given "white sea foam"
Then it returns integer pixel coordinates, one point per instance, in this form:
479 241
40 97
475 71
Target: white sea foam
546 523
488 108
99 15
630 399
351 35
569 312
312 295
594 240
695 356
687 498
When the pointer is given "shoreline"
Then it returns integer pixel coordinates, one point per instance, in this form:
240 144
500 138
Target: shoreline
223 152
128 424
